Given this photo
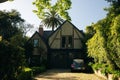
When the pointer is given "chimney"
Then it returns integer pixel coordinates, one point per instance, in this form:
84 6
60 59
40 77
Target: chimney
41 30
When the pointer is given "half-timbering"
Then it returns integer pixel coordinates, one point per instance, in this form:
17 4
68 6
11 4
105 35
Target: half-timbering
59 47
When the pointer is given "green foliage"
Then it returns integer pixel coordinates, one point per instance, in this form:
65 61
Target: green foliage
101 45
37 70
89 31
52 19
114 9
12 60
1 1
104 45
117 73
18 40
12 53
60 7
26 74
96 47
28 50
9 22
114 44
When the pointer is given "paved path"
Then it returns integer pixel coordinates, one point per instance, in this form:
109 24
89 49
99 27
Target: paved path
66 75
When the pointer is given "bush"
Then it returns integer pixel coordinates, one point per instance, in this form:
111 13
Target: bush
12 60
37 70
96 66
116 74
26 74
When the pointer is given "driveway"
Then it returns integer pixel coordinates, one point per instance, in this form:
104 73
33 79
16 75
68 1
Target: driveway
66 75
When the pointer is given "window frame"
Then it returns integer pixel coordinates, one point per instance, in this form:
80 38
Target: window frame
34 44
67 42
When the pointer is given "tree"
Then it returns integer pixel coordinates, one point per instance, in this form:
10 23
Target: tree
114 43
12 61
60 7
18 40
103 46
90 31
96 43
114 8
52 19
1 1
113 1
9 22
25 27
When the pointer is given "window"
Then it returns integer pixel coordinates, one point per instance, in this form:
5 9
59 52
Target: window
35 42
70 41
66 42
63 42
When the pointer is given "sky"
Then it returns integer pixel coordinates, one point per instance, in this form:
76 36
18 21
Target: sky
82 12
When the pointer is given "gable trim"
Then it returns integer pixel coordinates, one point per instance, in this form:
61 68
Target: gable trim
39 36
54 39
62 25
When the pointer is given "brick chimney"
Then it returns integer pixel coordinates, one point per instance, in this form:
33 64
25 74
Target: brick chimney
41 30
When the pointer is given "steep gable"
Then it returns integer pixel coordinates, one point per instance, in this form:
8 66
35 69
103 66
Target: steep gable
41 42
66 32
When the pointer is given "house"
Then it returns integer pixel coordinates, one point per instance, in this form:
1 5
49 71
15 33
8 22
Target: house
0 38
58 48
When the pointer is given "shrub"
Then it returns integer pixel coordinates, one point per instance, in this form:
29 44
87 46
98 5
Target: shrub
96 66
116 74
26 74
37 70
12 60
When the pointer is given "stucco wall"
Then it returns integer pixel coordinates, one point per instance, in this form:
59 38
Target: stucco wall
66 30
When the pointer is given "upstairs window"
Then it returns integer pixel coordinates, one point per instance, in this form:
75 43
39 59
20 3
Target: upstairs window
35 42
63 42
66 42
70 41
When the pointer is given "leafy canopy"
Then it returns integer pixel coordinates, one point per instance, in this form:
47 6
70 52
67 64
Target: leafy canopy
1 1
61 7
12 60
52 19
9 22
103 46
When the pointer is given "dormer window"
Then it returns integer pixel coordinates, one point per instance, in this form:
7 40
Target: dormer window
35 42
66 42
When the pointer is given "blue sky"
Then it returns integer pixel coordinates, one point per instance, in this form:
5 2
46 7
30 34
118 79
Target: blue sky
82 13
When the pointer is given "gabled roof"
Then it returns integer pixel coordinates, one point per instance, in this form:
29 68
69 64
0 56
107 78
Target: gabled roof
39 36
49 33
46 34
63 24
44 37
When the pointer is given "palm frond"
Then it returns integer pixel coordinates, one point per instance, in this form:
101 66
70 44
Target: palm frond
52 19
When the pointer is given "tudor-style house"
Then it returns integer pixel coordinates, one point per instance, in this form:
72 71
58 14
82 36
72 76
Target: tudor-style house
57 47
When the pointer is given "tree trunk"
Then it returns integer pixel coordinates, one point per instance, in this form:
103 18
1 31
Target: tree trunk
53 28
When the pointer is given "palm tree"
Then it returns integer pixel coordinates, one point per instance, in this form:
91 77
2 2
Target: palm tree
52 19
